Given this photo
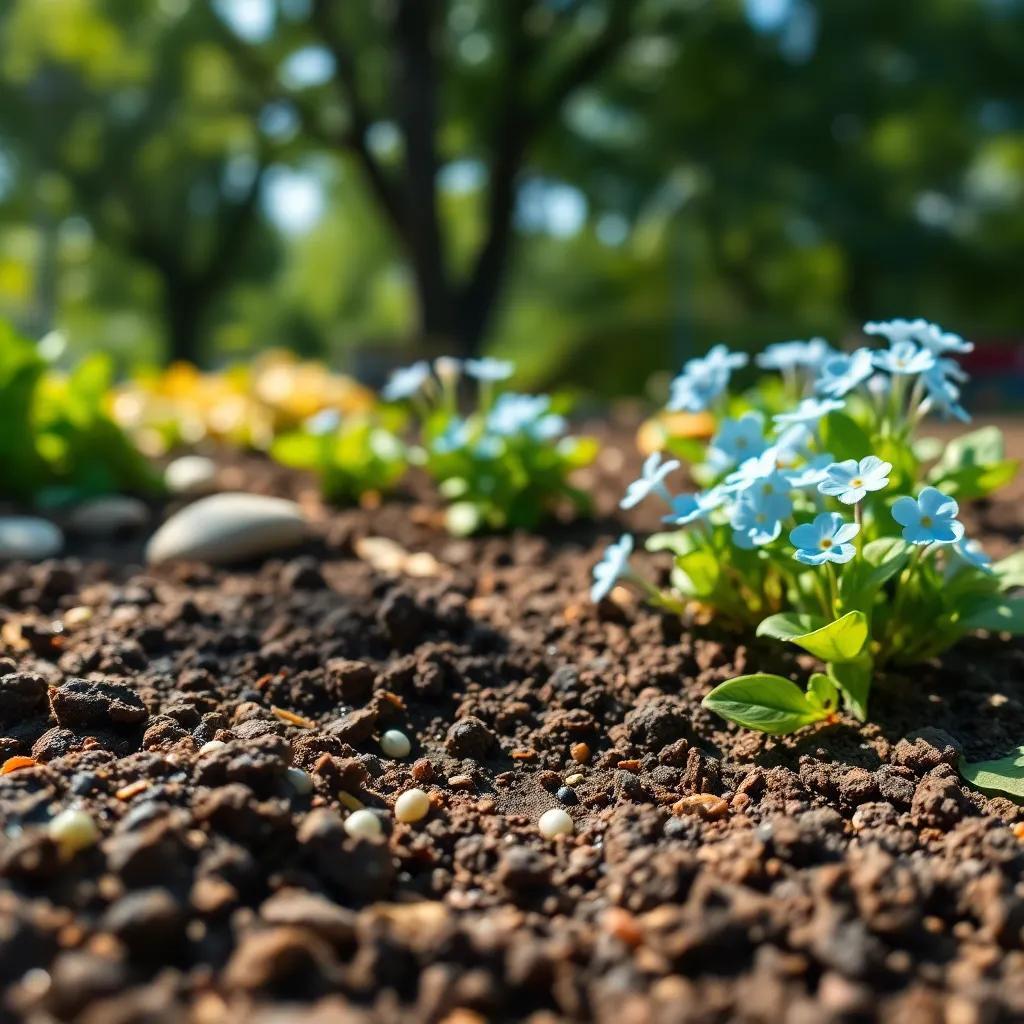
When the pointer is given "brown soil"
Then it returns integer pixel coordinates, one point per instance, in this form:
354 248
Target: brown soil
844 874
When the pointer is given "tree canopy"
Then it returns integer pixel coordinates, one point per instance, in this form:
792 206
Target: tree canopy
595 186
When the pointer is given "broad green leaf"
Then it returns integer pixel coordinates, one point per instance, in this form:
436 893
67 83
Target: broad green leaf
789 625
974 465
853 678
1010 571
1004 775
979 447
701 569
844 437
822 691
764 702
688 449
841 640
997 614
977 481
679 542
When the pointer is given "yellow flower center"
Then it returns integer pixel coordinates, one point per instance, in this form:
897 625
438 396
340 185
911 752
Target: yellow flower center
926 520
856 482
826 543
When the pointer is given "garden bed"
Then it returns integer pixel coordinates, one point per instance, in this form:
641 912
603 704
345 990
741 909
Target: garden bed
842 874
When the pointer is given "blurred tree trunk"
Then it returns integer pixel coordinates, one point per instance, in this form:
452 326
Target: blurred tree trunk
184 312
453 311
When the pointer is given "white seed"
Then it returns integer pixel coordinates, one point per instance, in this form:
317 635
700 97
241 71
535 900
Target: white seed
363 824
395 743
555 822
212 745
300 781
574 780
412 805
73 830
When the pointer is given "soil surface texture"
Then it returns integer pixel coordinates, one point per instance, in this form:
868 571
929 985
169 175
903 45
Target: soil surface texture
845 874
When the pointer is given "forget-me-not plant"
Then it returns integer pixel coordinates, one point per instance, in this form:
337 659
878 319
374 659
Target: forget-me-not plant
766 539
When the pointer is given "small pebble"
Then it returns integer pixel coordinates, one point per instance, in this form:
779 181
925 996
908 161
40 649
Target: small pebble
555 822
580 752
573 780
412 805
190 474
73 830
212 745
363 824
395 743
29 537
300 781
567 796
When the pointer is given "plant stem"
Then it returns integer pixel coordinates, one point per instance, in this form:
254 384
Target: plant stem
833 585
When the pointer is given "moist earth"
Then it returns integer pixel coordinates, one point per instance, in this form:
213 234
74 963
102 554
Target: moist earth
844 874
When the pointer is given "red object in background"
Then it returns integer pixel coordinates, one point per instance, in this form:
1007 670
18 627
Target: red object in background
996 367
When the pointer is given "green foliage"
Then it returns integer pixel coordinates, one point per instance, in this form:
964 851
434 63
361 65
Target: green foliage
799 534
58 443
1002 776
363 454
773 704
505 464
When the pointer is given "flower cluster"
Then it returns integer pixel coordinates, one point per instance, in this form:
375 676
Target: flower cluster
827 524
503 463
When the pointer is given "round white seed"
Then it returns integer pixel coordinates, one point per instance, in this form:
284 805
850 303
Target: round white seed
395 743
555 822
412 805
363 824
73 830
212 745
300 781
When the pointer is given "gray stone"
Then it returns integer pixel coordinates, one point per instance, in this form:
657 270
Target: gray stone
109 515
228 528
29 537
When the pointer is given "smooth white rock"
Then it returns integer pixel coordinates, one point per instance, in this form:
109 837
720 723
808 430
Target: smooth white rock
29 537
555 822
364 824
394 743
190 474
227 528
412 805
103 517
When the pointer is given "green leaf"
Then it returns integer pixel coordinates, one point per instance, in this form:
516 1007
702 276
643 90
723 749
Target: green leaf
864 577
1010 571
979 447
1004 775
789 625
841 640
687 449
974 465
844 437
764 702
977 481
702 571
679 542
853 678
997 614
822 691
